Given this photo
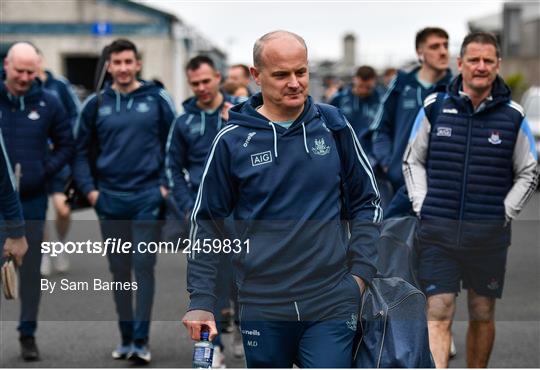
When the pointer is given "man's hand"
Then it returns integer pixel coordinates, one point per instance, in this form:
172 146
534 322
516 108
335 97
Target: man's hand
196 319
93 197
164 191
16 248
360 283
225 110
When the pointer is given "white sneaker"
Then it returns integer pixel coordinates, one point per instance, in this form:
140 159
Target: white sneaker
46 267
453 351
218 360
238 346
61 263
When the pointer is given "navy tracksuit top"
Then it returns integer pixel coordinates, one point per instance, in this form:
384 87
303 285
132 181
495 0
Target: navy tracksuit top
28 122
132 133
287 189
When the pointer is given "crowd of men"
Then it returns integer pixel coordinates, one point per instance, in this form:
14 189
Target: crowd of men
306 183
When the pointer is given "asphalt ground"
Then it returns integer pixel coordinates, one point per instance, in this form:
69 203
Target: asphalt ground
78 329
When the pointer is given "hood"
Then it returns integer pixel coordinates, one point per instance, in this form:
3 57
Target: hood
411 78
20 102
146 88
500 92
191 107
246 115
190 104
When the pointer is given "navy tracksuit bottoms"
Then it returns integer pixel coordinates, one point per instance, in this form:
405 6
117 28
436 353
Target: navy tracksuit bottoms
317 332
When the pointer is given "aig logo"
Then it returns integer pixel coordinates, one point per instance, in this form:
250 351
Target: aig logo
261 158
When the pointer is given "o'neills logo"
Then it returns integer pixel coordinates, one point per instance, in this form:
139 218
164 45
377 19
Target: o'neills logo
248 139
252 332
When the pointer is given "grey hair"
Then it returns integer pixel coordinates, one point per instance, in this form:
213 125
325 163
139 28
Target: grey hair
259 44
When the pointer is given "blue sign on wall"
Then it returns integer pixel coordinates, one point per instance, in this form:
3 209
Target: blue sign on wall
101 28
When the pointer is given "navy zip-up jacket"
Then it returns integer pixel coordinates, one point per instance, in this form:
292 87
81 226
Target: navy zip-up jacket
60 87
469 171
360 112
11 218
189 142
288 190
395 118
132 133
28 122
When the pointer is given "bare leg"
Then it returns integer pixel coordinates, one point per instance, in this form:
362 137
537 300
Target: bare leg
441 309
481 331
62 214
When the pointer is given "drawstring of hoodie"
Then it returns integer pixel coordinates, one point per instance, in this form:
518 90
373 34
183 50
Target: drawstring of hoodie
117 101
419 96
305 139
275 138
203 124
130 103
21 103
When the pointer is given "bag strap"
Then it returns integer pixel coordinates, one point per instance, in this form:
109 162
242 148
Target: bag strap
329 115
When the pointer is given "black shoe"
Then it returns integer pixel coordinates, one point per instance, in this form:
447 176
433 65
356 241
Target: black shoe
29 350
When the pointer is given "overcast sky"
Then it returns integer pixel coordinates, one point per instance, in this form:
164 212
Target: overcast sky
385 30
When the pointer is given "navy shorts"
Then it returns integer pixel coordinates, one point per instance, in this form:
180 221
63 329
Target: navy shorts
441 270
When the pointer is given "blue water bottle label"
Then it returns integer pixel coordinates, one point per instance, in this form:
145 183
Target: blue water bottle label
202 357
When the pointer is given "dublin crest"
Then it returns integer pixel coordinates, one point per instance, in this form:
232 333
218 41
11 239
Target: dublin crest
320 147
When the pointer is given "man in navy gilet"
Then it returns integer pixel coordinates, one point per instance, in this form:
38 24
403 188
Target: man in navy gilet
288 171
31 117
130 127
470 167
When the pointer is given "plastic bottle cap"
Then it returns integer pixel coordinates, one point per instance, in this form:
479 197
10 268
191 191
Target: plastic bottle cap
205 335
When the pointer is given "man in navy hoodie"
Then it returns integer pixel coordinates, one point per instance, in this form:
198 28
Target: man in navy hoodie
12 237
129 124
289 175
205 115
60 87
405 96
30 118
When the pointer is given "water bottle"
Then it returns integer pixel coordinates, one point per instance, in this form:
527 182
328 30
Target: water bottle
203 352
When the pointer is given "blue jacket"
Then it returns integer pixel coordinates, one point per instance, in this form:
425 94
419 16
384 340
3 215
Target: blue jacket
60 87
287 190
27 123
360 112
469 172
132 133
395 118
189 142
11 218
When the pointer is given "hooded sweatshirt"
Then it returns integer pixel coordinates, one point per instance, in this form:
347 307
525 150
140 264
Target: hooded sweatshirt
189 142
28 122
60 87
394 120
288 191
11 218
132 132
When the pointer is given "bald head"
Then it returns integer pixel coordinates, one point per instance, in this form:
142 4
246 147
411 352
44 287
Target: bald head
280 38
21 66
